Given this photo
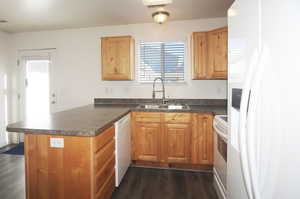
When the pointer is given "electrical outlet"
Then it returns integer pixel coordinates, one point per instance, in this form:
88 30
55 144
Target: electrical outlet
57 142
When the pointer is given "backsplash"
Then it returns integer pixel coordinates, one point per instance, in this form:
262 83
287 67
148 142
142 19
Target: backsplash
203 102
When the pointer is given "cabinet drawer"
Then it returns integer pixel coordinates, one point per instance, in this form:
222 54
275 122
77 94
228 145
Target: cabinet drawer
105 172
107 189
177 117
105 137
147 117
104 155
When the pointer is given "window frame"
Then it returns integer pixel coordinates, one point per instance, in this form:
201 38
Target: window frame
138 60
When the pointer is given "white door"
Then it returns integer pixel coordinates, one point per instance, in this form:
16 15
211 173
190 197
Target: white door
37 98
3 109
37 87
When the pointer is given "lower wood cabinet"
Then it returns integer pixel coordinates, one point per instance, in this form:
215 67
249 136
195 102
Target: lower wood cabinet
165 139
104 164
177 143
82 169
147 139
202 139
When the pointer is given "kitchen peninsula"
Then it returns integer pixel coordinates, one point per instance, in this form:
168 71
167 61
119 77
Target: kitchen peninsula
70 154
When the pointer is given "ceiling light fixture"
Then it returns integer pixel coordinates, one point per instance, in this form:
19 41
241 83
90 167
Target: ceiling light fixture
161 17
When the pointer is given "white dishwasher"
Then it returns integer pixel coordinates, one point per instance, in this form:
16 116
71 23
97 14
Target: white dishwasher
123 147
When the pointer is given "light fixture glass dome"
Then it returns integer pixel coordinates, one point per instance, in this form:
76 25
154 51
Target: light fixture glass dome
161 17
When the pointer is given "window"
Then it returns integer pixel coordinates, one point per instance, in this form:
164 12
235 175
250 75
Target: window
162 59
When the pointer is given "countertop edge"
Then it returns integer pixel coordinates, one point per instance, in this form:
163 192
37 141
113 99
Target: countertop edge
74 133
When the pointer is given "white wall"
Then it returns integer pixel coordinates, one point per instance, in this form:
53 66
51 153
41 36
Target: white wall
4 56
76 72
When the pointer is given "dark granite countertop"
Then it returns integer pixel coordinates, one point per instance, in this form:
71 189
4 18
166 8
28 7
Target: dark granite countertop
91 120
86 121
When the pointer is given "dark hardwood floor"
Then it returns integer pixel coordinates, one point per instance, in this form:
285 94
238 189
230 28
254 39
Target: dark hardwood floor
138 183
142 183
12 177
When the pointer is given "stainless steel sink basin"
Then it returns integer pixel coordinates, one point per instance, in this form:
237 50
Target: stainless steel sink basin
165 106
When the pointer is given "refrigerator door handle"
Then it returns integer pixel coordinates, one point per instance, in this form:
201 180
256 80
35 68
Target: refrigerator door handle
251 139
245 102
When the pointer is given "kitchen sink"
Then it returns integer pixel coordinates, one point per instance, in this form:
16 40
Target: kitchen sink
165 106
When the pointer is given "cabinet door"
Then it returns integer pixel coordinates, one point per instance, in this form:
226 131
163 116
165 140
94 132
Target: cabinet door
217 53
117 58
202 139
147 145
199 55
177 143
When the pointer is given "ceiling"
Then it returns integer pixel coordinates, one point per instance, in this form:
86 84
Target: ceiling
36 15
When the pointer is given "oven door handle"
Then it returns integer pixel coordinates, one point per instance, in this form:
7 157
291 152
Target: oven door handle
219 132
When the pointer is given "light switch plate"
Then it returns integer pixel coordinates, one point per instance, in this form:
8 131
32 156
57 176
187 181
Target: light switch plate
57 142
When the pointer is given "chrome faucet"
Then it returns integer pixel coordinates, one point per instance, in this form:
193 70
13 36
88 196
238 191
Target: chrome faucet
164 101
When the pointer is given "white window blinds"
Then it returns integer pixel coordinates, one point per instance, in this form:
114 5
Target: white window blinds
162 59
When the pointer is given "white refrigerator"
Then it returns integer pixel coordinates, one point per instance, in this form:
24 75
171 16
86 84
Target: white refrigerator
264 99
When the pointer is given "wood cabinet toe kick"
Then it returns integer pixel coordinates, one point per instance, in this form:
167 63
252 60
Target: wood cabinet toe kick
83 168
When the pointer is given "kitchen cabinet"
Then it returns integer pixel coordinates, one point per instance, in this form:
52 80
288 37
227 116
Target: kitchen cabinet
83 167
177 143
217 53
117 58
104 169
147 141
199 55
145 133
209 54
202 139
167 140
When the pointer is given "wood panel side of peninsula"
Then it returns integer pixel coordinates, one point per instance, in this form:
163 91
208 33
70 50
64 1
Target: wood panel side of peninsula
72 171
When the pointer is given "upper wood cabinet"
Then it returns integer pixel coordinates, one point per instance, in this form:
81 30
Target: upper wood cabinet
199 55
209 54
117 58
202 139
217 53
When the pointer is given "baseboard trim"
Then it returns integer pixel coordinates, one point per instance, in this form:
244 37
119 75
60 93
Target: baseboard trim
175 169
177 166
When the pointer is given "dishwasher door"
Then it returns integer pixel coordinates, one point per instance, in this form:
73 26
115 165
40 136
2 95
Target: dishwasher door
123 147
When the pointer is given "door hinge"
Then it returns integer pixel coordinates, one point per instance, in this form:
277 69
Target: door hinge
18 62
19 96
